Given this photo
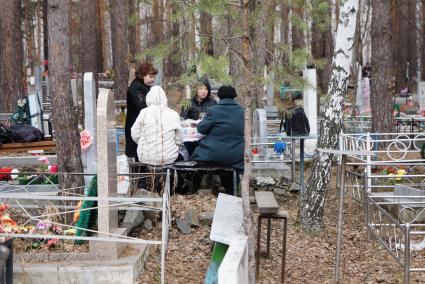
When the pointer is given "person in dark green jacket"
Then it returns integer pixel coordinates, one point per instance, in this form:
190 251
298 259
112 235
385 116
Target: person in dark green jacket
223 127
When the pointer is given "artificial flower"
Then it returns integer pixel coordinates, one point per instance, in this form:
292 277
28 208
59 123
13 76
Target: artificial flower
85 139
53 168
44 160
5 173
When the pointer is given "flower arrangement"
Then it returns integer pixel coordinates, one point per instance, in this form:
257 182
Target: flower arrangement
44 167
398 173
7 225
86 139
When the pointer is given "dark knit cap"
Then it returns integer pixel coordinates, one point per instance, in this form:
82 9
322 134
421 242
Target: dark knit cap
226 92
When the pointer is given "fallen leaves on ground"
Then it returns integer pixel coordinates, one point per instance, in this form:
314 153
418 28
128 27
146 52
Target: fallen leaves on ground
309 259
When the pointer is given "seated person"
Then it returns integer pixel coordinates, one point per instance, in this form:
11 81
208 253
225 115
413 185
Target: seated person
197 107
224 142
157 131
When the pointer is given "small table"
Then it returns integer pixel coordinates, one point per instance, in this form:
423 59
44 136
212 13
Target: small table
191 134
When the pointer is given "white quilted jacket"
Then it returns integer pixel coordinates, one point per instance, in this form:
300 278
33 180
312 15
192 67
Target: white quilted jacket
157 130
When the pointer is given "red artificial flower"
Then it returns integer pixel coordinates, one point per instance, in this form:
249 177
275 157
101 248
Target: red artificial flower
53 168
5 173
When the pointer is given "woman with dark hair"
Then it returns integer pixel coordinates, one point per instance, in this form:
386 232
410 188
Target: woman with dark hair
200 103
197 107
224 141
136 101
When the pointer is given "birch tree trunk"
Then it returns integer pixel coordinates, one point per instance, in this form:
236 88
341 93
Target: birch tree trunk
11 54
310 214
64 114
381 99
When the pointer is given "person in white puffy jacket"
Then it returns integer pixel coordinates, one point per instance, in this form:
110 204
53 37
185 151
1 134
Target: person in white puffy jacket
157 131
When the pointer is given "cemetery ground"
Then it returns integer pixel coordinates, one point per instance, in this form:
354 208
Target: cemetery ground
310 258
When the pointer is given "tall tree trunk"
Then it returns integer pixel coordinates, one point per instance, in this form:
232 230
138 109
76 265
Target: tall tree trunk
64 114
298 39
156 22
206 33
173 67
133 15
74 37
11 54
310 214
321 48
285 30
105 33
90 37
247 99
422 41
406 29
45 34
381 99
412 42
119 26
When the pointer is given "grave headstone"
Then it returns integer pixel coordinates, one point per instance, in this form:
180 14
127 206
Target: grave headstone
260 130
106 177
225 229
365 107
90 123
310 105
421 95
37 82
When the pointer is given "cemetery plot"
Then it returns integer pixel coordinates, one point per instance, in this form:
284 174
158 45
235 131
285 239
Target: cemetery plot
389 178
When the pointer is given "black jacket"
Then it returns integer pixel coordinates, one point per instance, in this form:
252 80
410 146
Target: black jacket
196 107
224 142
136 101
295 122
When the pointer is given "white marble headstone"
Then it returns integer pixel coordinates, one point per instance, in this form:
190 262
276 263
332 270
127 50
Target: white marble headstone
228 219
90 123
421 95
310 105
260 129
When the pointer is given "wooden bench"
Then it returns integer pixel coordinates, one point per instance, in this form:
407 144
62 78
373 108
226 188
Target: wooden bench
29 146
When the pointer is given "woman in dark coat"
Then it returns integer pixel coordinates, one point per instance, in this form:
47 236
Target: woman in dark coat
223 127
136 101
198 106
200 103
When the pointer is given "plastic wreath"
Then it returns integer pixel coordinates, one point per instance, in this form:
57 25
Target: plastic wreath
86 140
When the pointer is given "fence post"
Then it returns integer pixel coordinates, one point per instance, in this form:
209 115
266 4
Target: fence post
407 254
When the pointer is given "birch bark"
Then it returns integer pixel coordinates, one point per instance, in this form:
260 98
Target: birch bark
312 203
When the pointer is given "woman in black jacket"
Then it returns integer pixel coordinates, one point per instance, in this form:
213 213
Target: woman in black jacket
197 107
136 101
200 103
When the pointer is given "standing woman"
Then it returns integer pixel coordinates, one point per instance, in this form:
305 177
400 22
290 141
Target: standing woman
136 101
